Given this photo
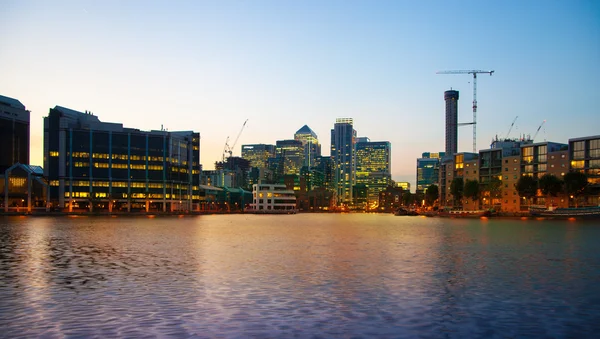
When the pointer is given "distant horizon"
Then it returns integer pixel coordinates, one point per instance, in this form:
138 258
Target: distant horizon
210 66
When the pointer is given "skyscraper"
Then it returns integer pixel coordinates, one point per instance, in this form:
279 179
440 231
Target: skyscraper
290 156
451 98
373 167
343 138
258 154
14 133
312 148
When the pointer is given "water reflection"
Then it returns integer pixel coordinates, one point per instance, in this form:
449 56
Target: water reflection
302 275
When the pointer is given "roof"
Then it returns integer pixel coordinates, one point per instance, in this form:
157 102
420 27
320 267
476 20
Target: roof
35 170
306 130
210 188
11 102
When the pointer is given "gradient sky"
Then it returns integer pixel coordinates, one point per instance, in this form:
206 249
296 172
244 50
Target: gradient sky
208 66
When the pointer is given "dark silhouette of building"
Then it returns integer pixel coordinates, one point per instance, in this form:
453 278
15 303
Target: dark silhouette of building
98 165
14 133
451 98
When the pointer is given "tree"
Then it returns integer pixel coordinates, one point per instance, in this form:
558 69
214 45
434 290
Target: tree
456 189
575 184
471 190
432 194
407 198
527 186
550 184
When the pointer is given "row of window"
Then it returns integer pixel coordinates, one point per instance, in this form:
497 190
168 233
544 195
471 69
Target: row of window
133 195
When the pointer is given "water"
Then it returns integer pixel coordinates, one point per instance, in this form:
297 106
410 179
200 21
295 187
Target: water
306 275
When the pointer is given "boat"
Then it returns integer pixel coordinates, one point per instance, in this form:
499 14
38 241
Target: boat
565 213
403 211
466 214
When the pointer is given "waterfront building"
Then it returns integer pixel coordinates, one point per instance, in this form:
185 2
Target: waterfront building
24 189
390 199
455 167
428 168
312 148
451 98
584 154
290 156
272 198
534 157
373 168
14 133
343 140
404 185
95 165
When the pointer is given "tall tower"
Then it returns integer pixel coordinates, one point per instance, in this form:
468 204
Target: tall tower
343 138
312 148
451 98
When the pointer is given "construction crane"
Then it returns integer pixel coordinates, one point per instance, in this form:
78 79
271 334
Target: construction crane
538 130
474 123
229 149
511 126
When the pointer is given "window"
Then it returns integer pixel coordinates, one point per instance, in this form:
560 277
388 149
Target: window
579 150
53 153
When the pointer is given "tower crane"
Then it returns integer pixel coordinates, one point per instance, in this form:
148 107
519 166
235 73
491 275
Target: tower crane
229 149
511 126
474 123
538 130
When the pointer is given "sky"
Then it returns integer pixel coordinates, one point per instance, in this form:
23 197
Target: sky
208 66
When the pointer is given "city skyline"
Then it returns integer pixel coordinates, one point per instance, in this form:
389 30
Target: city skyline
208 67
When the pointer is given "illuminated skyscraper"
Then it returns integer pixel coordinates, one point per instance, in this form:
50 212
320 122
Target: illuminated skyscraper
373 167
290 156
312 148
343 138
451 98
258 154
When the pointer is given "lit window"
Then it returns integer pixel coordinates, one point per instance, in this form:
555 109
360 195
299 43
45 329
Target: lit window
53 153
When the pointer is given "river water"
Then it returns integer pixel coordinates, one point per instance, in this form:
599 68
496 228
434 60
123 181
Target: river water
305 275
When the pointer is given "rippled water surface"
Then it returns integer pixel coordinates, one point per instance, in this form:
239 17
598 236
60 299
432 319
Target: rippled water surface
306 275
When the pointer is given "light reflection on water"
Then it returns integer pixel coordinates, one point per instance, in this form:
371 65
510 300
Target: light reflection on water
301 275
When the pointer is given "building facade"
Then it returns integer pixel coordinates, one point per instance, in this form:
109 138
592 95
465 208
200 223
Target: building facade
290 156
428 170
451 98
343 139
373 168
584 154
14 133
95 165
312 148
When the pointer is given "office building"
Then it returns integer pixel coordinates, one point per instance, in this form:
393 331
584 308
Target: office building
14 133
428 168
451 98
258 154
95 165
290 156
312 148
373 168
343 140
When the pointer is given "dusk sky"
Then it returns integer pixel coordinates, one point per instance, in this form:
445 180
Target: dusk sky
209 66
